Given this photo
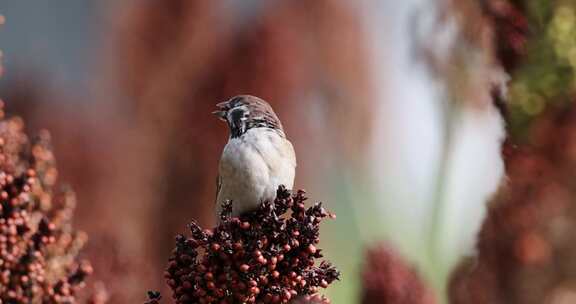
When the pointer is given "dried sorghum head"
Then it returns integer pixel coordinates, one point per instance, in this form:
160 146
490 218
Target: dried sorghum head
526 247
38 247
266 256
388 279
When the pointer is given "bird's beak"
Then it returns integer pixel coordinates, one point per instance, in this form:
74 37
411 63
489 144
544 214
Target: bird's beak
220 114
222 110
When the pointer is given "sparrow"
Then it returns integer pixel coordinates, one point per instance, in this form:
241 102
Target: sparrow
258 157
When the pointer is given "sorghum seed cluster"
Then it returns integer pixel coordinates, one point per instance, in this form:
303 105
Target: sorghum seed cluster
38 248
266 256
388 279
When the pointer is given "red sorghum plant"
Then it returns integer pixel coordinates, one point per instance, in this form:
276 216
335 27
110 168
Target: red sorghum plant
38 247
510 31
527 244
267 256
388 279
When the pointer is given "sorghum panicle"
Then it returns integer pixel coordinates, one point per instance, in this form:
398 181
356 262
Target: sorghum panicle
38 247
267 256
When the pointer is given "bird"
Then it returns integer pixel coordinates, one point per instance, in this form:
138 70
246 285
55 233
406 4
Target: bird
257 158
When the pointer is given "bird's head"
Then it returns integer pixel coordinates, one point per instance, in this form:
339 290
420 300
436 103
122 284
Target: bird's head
244 112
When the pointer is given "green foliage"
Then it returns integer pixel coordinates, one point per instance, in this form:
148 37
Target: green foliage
547 74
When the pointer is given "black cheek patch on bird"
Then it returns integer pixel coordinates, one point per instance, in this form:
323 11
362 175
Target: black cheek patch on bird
237 122
236 115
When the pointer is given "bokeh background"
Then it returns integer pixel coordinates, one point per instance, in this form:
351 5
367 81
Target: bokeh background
441 132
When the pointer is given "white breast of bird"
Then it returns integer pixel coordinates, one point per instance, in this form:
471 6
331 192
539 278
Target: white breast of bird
253 166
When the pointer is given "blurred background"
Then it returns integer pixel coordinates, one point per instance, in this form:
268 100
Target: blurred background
441 132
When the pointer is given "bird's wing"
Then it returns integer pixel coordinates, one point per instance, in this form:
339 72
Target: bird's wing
217 203
218 186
